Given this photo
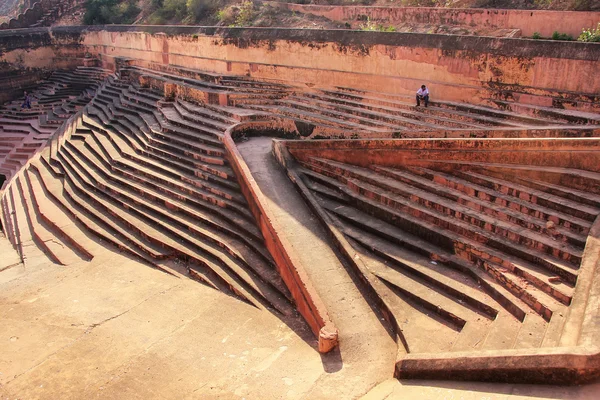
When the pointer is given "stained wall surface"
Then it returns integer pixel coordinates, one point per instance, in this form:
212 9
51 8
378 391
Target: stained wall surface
528 21
457 68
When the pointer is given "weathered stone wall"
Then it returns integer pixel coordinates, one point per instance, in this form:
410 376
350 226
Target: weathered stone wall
39 11
42 48
460 68
457 68
528 21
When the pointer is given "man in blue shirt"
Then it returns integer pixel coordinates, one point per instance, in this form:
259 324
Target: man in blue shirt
423 94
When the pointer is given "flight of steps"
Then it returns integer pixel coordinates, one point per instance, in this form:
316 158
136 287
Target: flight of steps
354 113
382 113
24 131
469 256
151 178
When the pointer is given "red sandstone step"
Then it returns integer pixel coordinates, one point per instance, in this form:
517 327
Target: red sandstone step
406 109
419 269
204 195
198 117
73 190
442 258
407 102
550 210
399 118
66 227
326 110
570 116
50 244
561 191
485 201
207 112
54 189
222 175
174 177
570 177
576 209
190 186
144 141
432 231
376 186
179 201
88 177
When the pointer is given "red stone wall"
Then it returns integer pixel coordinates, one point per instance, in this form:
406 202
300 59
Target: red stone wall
528 21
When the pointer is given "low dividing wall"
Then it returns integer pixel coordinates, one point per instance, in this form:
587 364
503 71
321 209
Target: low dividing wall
308 301
528 21
457 68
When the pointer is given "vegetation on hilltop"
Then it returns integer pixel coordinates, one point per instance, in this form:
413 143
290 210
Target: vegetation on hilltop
256 13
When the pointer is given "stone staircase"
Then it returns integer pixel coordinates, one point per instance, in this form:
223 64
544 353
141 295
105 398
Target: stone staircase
480 255
24 131
382 114
151 178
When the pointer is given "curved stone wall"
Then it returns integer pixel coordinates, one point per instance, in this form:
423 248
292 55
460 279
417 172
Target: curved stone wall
477 70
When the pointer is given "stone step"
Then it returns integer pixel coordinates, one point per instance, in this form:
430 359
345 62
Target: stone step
9 223
219 174
408 102
487 201
204 119
446 214
399 117
573 208
470 108
141 192
570 116
172 123
54 248
140 131
61 223
74 187
462 246
179 241
561 191
200 198
325 109
406 109
189 182
326 121
206 112
568 177
61 195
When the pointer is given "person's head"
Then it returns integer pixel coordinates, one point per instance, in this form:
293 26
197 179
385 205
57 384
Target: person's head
423 87
26 93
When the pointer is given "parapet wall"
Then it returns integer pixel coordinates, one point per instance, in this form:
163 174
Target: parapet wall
528 21
456 68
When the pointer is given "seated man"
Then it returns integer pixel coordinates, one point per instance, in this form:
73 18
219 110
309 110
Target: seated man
26 101
423 94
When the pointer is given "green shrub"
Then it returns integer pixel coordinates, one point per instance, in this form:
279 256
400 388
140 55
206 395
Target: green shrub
536 35
227 15
246 14
201 8
98 12
561 36
174 9
374 27
590 35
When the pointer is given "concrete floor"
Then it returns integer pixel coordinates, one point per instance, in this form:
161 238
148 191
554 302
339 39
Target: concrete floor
118 329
